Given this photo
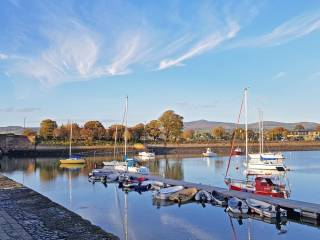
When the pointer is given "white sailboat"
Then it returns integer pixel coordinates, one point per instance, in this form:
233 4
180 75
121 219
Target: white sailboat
262 160
129 164
72 158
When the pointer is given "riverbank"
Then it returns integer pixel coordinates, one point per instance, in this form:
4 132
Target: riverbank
222 148
26 214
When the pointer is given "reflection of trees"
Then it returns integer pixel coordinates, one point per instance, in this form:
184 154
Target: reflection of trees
218 164
11 164
168 168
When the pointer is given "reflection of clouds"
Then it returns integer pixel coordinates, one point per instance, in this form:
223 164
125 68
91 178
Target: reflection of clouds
193 230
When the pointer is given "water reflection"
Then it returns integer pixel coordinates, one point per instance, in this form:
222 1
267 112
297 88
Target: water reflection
148 219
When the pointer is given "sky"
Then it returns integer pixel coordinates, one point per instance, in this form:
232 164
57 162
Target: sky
77 60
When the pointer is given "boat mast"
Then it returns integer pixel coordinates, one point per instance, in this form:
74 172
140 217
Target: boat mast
70 141
115 143
262 137
126 128
260 147
246 122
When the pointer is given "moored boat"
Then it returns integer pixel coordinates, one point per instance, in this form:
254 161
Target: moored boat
203 196
237 151
237 206
209 153
72 159
265 209
166 192
183 195
260 186
219 199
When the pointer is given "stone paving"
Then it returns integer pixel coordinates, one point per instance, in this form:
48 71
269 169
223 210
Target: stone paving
26 214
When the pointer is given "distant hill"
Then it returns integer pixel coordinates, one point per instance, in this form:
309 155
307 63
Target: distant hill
15 129
206 125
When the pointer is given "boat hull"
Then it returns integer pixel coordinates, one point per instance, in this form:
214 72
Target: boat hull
72 161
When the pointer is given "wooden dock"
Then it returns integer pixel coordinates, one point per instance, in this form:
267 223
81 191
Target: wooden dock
304 209
311 210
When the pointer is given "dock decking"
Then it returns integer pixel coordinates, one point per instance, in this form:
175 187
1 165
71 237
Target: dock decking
306 209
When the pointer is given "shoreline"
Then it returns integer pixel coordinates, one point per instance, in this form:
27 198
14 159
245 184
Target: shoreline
161 149
26 214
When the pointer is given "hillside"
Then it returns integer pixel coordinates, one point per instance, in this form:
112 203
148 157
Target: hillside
205 125
14 129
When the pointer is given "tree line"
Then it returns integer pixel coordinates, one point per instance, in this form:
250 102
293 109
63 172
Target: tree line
168 128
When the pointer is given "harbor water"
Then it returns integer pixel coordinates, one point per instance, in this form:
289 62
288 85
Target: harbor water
135 215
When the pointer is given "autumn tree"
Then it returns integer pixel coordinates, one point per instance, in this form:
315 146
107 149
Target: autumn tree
76 131
138 132
93 130
171 125
218 132
47 127
153 129
277 133
116 128
239 133
30 134
61 132
187 134
317 129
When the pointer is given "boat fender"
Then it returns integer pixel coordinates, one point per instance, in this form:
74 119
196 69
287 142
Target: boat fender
278 213
240 206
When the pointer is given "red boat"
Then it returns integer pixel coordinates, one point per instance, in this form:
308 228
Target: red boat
237 151
261 186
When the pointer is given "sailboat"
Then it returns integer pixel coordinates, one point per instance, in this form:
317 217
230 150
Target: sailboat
73 159
262 160
262 185
129 164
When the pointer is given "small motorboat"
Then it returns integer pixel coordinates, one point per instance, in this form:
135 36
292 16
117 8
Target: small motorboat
146 155
166 192
203 196
237 206
237 151
209 153
149 185
219 199
183 195
265 209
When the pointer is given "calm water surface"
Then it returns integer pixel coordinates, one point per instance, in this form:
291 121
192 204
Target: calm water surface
134 216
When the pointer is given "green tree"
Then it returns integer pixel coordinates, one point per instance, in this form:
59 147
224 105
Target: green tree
218 132
93 130
171 126
47 127
153 129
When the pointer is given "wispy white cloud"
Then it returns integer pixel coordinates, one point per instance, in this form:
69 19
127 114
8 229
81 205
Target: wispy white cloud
202 46
19 110
3 56
294 28
279 75
76 44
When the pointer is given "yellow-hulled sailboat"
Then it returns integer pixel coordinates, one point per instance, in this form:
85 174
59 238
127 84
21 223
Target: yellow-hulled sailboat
72 159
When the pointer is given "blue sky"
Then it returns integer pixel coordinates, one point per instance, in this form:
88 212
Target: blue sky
78 59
